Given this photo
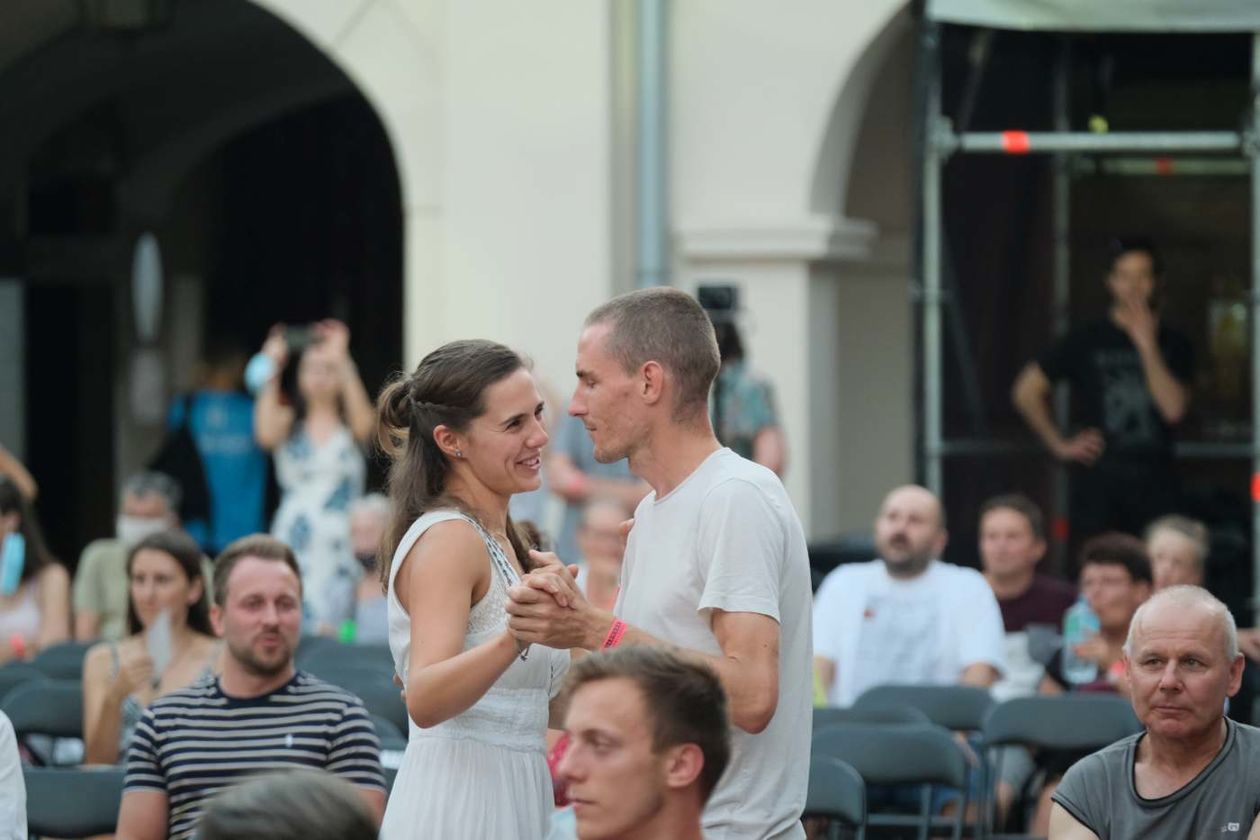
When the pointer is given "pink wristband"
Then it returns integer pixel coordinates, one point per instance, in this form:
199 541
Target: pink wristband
17 644
615 633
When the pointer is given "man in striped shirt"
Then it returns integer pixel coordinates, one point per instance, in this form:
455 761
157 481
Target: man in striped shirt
259 715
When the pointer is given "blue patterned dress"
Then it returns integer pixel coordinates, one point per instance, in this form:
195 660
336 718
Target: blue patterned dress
318 483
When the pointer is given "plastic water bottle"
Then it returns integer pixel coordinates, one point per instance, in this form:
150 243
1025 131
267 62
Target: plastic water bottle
1079 624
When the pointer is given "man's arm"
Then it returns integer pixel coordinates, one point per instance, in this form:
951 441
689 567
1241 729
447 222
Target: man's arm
980 674
374 798
1063 826
1170 396
1031 397
1254 834
143 815
825 673
748 666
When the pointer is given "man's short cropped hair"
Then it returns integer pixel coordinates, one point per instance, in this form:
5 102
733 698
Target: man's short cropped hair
1192 529
1022 505
1117 549
684 700
1121 245
667 326
263 547
294 805
154 484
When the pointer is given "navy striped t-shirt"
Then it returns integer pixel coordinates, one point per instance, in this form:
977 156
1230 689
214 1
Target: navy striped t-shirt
193 742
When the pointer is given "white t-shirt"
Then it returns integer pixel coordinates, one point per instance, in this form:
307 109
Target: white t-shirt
728 538
879 629
12 785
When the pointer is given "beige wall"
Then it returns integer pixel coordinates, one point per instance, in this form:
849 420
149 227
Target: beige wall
508 122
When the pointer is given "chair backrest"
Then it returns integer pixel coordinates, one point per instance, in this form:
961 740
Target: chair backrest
1065 721
16 673
48 707
825 716
388 734
895 754
377 691
322 657
62 661
957 707
836 791
72 802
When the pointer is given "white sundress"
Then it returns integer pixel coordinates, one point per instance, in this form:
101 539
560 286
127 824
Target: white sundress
483 773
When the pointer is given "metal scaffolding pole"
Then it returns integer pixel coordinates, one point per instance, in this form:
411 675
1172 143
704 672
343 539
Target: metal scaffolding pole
1026 142
930 290
1255 318
1062 289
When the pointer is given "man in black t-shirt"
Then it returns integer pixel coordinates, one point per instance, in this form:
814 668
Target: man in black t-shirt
1130 377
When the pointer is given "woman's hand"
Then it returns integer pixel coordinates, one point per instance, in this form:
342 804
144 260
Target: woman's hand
276 347
135 669
333 337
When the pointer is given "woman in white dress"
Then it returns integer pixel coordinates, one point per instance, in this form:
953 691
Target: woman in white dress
465 432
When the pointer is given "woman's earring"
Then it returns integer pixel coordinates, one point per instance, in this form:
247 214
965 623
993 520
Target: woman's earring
459 453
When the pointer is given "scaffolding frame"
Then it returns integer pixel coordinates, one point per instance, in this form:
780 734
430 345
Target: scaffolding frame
940 141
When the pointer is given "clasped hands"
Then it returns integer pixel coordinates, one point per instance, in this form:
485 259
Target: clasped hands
548 608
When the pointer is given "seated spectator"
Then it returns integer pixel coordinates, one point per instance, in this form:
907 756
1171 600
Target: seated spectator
295 805
1012 543
906 617
649 739
260 715
168 613
1115 579
149 504
35 588
1178 549
602 545
369 517
1191 771
16 472
12 785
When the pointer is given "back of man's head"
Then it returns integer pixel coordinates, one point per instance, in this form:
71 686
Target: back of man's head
294 805
684 700
669 327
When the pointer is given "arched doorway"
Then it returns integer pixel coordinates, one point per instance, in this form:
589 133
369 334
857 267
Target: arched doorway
266 176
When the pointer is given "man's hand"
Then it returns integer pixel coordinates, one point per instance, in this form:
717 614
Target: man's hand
1249 642
548 608
1135 317
1083 448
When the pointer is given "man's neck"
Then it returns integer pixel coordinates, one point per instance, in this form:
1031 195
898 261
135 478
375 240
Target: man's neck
905 575
1182 758
674 821
672 453
1010 587
238 682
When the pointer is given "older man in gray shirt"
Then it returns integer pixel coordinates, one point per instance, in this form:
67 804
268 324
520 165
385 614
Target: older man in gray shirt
1191 773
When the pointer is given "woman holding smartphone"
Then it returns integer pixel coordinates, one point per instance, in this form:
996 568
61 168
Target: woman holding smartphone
168 618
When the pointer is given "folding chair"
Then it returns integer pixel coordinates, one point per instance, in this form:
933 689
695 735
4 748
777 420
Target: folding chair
52 708
16 673
72 803
62 661
1082 722
961 708
836 793
338 657
388 734
377 691
827 715
899 755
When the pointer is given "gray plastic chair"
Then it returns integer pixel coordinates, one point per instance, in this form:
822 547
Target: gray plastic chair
62 661
1077 722
49 708
961 708
72 803
827 715
16 673
375 688
901 754
837 793
388 734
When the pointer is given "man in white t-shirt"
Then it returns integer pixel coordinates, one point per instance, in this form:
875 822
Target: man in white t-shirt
716 565
906 617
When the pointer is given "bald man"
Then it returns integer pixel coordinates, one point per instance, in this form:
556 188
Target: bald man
1191 772
906 617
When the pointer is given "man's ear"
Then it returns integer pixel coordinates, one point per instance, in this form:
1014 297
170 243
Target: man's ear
216 619
652 382
683 765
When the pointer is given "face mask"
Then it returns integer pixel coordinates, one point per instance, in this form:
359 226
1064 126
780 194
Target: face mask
12 561
367 559
130 530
